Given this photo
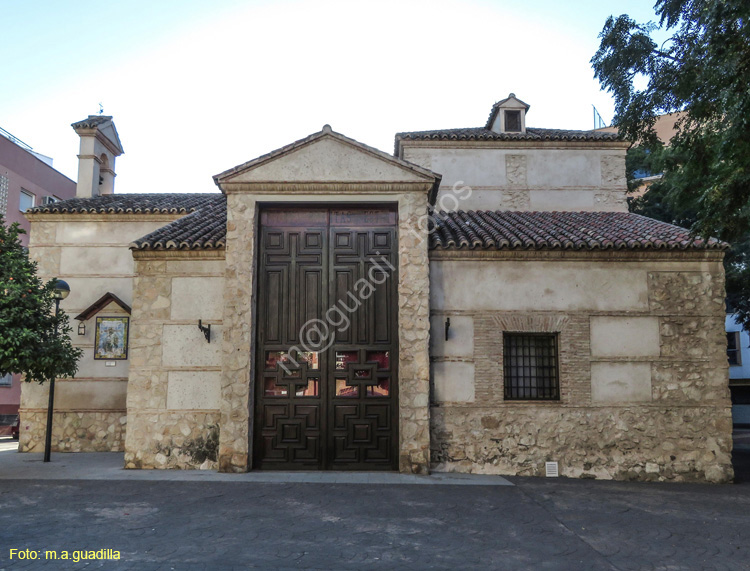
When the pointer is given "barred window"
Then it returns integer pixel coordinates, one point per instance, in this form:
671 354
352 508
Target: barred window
512 121
530 366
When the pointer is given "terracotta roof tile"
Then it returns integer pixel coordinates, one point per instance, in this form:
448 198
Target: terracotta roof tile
483 134
91 121
167 203
505 230
205 228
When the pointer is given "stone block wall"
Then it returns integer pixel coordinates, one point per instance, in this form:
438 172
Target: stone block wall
90 252
173 396
643 383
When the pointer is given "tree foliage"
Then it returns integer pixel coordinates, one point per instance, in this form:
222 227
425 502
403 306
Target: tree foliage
703 70
32 339
655 204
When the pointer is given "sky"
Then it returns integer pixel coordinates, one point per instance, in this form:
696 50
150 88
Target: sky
197 87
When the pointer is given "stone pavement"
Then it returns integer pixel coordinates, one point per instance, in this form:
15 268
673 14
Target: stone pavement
241 524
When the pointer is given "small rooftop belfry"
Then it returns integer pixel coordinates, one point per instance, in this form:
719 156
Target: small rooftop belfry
100 146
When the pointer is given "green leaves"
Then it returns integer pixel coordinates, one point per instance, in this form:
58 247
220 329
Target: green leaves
32 339
703 70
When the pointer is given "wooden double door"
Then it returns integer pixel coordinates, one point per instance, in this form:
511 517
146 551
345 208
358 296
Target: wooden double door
326 391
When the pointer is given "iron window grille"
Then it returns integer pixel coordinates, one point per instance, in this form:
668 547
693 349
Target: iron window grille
530 366
512 121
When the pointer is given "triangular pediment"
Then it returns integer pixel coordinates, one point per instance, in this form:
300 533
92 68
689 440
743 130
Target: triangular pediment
110 132
107 300
326 157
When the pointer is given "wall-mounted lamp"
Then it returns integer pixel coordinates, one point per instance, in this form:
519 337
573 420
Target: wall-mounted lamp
81 328
447 327
206 329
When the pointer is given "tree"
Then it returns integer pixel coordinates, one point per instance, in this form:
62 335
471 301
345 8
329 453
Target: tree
702 69
655 204
32 339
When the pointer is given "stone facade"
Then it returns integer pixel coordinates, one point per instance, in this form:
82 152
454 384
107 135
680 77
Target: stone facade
237 362
89 251
515 167
624 443
329 168
85 431
237 373
643 385
413 336
183 440
173 390
639 333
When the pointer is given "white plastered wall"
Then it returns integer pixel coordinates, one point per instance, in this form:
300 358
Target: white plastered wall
575 178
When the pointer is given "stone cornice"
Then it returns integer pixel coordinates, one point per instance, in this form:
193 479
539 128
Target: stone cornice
102 138
94 157
579 255
328 187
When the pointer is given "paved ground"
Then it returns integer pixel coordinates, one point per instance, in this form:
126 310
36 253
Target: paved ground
534 524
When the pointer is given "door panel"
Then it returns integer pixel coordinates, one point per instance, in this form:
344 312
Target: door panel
327 403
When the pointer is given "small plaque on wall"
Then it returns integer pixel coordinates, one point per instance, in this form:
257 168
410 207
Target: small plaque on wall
111 341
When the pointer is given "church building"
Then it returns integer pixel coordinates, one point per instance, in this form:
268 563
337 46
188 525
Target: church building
479 301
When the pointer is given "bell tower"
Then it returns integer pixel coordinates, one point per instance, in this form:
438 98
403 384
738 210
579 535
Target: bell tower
100 146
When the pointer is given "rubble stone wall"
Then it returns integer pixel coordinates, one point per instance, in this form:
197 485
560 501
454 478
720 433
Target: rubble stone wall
84 431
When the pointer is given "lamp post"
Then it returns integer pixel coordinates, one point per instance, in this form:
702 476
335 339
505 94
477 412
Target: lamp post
62 289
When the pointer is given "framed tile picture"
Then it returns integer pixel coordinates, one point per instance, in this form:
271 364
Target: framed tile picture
111 340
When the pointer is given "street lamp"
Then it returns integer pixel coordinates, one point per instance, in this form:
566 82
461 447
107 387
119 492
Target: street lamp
62 290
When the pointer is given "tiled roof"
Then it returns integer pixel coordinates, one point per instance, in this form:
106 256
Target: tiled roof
501 230
205 228
505 230
168 203
91 121
482 134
